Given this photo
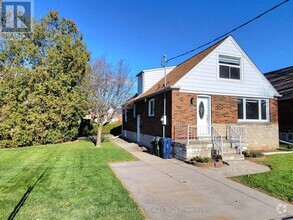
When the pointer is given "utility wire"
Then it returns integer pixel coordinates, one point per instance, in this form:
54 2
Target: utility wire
229 32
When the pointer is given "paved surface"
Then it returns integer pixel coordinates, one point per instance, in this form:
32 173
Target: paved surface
239 168
171 189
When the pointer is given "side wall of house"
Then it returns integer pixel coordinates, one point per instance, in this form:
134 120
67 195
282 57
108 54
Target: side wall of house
286 115
259 136
150 126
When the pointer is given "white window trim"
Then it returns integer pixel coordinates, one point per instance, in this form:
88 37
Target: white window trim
149 107
240 66
125 115
259 110
134 111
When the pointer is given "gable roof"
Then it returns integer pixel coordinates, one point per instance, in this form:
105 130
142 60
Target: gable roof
282 80
179 71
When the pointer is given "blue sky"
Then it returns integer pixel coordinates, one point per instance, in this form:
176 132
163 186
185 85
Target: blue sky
141 31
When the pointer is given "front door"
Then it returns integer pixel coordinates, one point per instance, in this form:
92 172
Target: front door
138 129
203 116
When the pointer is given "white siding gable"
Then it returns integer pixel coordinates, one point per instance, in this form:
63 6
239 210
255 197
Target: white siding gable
204 77
148 78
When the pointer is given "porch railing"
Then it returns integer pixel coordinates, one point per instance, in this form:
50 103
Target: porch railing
217 140
188 134
286 136
236 136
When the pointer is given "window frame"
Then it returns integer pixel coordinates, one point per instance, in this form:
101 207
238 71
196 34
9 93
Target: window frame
230 65
151 113
125 115
134 111
259 100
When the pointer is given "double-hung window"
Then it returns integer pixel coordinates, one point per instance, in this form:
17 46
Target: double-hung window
253 109
229 67
151 107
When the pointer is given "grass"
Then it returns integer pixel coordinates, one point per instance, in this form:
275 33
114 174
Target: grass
77 183
277 182
108 127
285 147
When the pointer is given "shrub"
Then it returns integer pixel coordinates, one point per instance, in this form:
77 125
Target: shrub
200 159
252 154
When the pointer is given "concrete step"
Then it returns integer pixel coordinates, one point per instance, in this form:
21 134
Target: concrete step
230 150
232 156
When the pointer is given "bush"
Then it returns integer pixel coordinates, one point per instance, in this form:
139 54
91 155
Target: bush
200 159
252 154
109 128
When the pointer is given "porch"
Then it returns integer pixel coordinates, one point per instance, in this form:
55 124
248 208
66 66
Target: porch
226 141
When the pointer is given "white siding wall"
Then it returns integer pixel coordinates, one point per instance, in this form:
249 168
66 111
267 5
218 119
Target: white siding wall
204 77
148 78
139 83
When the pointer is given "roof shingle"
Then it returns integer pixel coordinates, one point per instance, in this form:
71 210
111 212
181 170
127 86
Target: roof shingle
179 71
282 80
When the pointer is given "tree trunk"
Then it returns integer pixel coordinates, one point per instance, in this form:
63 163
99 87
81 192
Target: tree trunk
99 134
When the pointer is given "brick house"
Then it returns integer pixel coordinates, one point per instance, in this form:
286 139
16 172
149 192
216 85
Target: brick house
214 100
282 80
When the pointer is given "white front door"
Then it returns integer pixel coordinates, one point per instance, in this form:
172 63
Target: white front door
203 116
138 128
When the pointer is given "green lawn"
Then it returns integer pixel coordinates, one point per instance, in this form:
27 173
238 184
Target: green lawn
277 182
64 181
286 147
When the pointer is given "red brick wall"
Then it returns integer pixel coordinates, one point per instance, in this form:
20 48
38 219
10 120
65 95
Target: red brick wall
224 110
151 125
183 112
180 113
274 111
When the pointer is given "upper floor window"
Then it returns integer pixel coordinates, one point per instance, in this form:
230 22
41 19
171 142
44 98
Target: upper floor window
229 67
253 109
151 107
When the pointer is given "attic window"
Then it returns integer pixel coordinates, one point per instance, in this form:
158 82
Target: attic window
229 67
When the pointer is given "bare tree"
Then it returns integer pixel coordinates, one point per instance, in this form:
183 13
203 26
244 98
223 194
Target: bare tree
108 86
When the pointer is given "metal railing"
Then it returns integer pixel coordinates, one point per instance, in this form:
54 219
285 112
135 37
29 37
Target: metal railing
286 136
190 133
236 136
217 140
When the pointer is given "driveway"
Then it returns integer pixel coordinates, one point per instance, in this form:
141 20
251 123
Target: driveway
171 189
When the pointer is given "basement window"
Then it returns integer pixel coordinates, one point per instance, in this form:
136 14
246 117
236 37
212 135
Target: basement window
151 107
253 109
229 67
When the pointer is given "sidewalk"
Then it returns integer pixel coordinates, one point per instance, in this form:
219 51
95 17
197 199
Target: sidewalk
171 189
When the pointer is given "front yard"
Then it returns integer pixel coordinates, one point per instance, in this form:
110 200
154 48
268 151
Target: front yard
277 182
64 181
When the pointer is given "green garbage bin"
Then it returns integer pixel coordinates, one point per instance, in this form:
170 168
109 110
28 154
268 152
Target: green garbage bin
156 146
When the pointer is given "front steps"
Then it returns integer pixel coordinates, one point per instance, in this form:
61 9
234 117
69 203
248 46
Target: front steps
230 153
185 152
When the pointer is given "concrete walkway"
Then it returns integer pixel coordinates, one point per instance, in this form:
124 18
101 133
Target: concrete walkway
240 167
171 189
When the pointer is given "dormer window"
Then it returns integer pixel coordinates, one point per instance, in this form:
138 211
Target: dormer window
229 67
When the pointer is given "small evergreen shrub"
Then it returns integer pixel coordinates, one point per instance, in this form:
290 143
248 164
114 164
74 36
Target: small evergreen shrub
252 154
200 159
